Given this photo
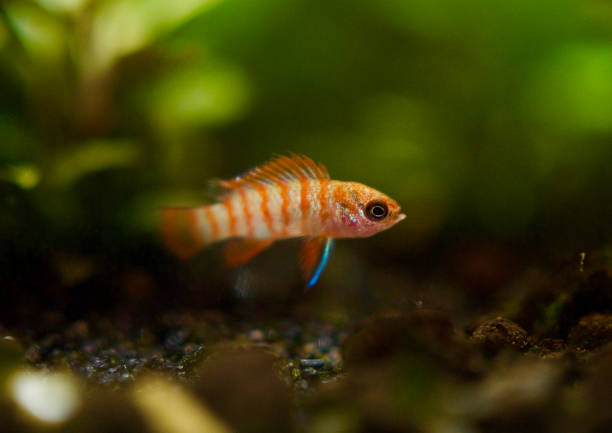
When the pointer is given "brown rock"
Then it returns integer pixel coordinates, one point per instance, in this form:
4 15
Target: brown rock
245 387
592 296
498 334
107 411
426 334
591 332
381 337
550 348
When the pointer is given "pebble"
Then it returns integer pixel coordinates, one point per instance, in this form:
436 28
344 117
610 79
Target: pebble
176 338
308 349
106 354
312 363
135 362
256 335
33 354
335 357
309 371
591 332
99 362
500 333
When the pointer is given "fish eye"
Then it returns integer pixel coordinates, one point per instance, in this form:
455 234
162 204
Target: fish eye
376 210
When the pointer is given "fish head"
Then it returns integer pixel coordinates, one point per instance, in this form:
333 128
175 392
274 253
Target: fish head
362 211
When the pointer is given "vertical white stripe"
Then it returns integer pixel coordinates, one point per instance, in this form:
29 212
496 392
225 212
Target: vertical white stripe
329 202
275 203
203 225
221 217
295 214
236 204
258 221
314 210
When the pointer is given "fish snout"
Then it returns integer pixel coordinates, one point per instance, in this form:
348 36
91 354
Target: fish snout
396 212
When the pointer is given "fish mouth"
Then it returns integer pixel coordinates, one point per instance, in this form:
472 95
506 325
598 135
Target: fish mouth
400 217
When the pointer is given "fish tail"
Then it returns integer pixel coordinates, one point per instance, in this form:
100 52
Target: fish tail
186 231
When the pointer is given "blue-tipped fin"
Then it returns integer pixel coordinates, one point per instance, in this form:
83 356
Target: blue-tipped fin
315 255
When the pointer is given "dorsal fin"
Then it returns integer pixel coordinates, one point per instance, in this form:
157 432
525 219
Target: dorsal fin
280 169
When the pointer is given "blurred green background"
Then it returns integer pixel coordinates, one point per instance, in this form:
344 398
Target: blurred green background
485 120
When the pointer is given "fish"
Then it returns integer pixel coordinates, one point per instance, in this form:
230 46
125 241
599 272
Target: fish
287 197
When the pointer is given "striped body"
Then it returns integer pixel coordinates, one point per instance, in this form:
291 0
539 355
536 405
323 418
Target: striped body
287 197
275 211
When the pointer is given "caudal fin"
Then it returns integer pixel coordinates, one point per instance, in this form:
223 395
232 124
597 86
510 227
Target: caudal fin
181 232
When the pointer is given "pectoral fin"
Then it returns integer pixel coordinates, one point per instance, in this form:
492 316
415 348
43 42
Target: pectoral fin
314 257
238 252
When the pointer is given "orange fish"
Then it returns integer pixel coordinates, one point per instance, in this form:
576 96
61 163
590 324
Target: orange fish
288 197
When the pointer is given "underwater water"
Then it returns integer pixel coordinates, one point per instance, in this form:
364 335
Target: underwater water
487 309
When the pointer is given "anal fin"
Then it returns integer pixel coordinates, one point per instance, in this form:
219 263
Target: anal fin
240 251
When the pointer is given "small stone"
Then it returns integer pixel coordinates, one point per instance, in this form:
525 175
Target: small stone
191 348
335 357
33 354
309 371
312 363
324 343
98 362
134 362
499 333
89 370
256 335
176 338
308 349
125 377
591 332
551 347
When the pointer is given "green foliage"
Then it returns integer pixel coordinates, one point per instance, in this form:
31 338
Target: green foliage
481 116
